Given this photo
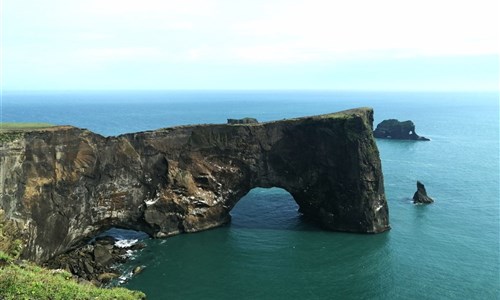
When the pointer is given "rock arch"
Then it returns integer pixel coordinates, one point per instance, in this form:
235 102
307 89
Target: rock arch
268 208
66 184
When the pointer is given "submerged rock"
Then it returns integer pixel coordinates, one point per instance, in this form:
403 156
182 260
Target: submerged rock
137 270
394 129
420 195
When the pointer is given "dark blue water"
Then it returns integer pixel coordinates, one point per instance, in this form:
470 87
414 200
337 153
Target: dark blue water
446 250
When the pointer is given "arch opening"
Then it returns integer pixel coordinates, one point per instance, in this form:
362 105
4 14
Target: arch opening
269 208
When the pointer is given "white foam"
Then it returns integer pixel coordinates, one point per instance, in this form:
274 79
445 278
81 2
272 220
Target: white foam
125 243
122 279
150 202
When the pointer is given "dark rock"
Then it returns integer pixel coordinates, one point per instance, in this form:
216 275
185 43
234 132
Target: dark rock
91 260
242 121
102 255
420 195
138 246
394 129
105 240
70 184
88 267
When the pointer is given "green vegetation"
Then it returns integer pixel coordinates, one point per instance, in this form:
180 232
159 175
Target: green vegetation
10 237
23 126
24 280
12 131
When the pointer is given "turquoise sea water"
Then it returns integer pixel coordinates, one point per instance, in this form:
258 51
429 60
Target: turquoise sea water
446 250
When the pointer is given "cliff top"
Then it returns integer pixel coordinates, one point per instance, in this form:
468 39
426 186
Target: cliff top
30 127
5 127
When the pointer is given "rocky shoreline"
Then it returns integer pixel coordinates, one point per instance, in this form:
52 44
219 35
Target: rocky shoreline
97 261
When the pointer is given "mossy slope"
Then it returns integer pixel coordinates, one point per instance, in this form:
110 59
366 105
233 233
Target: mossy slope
23 280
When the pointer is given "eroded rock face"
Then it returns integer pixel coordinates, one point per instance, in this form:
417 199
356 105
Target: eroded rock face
394 129
68 184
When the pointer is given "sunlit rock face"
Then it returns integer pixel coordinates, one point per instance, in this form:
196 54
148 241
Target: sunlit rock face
67 184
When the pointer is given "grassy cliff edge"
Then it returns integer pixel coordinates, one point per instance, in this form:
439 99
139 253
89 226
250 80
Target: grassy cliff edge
21 279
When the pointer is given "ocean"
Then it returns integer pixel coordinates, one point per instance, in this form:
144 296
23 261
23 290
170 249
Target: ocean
445 250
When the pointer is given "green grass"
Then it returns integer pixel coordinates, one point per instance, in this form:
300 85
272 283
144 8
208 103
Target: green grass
10 132
28 281
25 280
23 126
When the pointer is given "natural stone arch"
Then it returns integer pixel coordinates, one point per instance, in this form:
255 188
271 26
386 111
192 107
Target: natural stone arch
68 184
268 208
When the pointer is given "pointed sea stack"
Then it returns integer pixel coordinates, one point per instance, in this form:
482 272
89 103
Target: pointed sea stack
420 195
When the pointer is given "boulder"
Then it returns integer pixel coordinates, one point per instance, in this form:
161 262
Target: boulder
102 255
107 277
137 270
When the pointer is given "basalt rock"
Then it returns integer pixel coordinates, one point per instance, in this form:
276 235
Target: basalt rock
91 261
420 195
242 121
394 129
68 184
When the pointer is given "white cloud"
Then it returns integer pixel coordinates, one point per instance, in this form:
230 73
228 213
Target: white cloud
74 37
337 30
100 55
148 7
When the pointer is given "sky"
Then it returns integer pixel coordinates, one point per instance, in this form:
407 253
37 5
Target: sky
250 44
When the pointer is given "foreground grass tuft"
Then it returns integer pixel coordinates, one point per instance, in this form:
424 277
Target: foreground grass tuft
23 280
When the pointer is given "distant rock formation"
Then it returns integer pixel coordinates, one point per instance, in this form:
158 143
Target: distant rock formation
67 184
242 121
394 129
420 195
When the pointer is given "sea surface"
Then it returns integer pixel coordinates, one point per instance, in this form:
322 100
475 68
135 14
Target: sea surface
446 250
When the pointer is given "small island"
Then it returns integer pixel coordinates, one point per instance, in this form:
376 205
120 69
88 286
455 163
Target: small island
420 196
397 130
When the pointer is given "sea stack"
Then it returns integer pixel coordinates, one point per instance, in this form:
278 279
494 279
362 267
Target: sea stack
394 129
420 195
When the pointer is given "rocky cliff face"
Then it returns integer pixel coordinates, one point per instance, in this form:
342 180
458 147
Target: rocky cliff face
68 184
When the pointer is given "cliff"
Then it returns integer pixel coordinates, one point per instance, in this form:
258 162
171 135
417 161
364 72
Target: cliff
66 184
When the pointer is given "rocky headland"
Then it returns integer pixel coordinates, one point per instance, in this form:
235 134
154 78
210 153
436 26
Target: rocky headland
63 185
397 130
